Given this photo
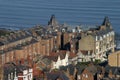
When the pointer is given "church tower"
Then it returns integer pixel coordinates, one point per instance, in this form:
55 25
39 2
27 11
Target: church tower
53 22
107 23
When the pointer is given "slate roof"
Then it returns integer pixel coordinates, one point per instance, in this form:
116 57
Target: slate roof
85 52
18 46
15 37
10 67
92 69
101 32
56 75
72 55
115 70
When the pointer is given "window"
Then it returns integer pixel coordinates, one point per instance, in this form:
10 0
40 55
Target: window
83 75
100 49
55 67
71 45
24 78
96 50
67 63
79 77
96 38
55 37
33 48
100 37
96 43
55 41
86 76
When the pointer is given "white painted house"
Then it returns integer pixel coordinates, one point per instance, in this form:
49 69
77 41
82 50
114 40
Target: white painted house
59 59
62 60
26 74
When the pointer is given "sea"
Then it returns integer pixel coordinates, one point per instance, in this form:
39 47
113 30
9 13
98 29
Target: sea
28 13
21 14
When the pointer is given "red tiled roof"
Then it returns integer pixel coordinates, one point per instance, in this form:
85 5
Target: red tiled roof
54 55
72 55
85 52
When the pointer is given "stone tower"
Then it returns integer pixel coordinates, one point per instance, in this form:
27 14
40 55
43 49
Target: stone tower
53 22
106 22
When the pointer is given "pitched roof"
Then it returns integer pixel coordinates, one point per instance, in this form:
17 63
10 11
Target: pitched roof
115 70
54 55
52 58
92 69
72 55
85 52
106 21
71 69
56 75
10 67
18 35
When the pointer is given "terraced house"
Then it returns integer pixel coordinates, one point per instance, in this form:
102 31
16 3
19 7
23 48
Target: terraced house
59 44
96 43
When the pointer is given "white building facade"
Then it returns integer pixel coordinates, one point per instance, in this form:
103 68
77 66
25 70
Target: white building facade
25 75
60 62
101 41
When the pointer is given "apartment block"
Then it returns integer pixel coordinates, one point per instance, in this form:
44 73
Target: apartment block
98 40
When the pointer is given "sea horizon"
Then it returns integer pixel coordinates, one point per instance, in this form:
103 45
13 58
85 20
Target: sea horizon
23 14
